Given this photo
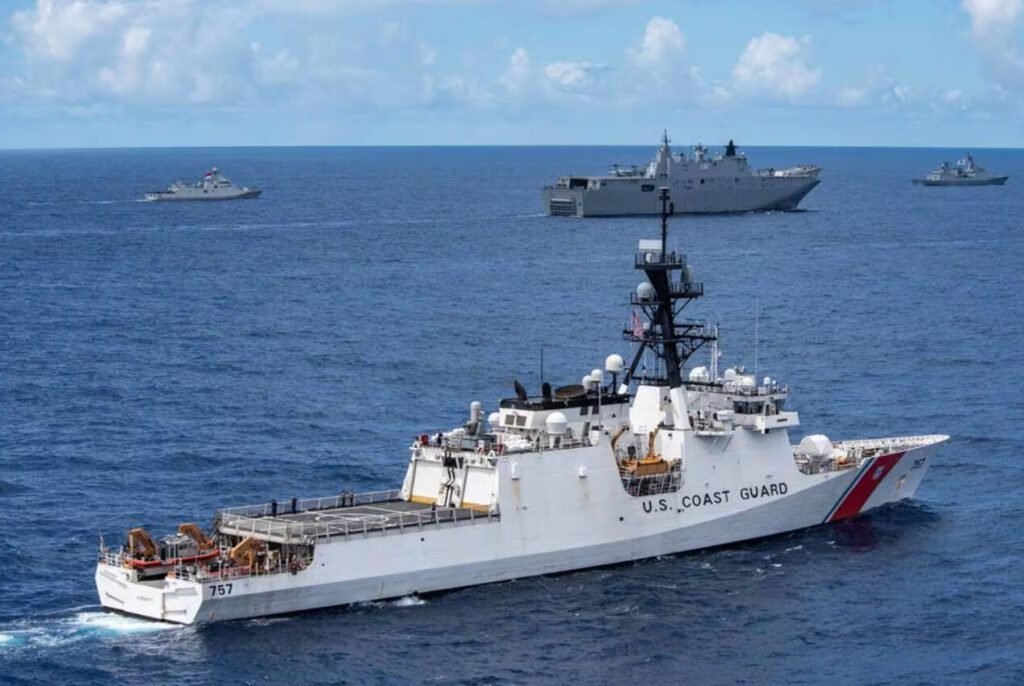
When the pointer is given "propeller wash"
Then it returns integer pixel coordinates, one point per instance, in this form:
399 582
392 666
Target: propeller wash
580 476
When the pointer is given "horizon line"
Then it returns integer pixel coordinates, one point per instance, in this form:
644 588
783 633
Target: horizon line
483 145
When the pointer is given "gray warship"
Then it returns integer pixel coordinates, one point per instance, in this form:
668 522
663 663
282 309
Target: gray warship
213 186
966 172
700 183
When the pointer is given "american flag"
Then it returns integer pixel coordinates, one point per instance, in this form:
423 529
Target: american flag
638 325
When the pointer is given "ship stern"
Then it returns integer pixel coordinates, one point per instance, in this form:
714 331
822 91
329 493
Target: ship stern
165 600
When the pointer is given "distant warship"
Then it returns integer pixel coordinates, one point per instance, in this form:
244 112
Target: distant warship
966 172
214 186
699 183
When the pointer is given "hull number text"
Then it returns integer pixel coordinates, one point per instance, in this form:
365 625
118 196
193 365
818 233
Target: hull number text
220 589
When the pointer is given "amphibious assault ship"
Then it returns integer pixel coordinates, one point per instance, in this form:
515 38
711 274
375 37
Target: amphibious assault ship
214 186
699 183
634 461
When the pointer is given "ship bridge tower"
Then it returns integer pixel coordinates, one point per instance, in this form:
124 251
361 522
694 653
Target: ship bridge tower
661 328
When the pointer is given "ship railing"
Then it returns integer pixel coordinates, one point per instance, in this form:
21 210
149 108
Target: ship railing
497 449
113 557
656 258
356 524
851 454
677 289
311 504
888 443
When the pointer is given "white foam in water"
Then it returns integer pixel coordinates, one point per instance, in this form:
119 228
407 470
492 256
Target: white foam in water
118 624
5 638
409 601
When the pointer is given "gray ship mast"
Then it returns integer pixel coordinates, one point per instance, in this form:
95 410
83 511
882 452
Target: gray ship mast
667 334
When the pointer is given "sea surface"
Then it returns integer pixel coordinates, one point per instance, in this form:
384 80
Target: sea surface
158 361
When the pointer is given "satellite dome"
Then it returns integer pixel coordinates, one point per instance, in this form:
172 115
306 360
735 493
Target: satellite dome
614 364
493 419
645 291
816 445
556 423
699 375
597 375
588 382
729 375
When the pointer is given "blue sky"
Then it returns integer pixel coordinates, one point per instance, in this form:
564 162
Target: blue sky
88 73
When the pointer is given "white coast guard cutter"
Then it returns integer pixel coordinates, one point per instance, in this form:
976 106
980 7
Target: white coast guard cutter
579 476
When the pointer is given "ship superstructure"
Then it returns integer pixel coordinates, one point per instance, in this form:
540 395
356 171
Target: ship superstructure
213 186
699 183
636 460
966 172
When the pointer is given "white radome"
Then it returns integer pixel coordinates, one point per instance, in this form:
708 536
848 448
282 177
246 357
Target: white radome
614 364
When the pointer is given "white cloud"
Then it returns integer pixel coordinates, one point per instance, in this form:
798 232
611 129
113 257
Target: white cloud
852 96
574 77
428 54
989 16
993 25
282 68
171 51
58 28
463 90
776 66
896 94
183 52
517 76
662 43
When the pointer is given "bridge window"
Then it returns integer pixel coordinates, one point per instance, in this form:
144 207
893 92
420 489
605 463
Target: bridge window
647 188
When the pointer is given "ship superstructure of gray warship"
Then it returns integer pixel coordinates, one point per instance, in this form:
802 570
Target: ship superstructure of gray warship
700 183
966 172
213 186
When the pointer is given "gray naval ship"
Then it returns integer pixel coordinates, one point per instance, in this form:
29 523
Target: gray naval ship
214 186
699 183
966 172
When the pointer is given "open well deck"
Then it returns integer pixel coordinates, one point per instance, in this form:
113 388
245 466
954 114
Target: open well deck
344 515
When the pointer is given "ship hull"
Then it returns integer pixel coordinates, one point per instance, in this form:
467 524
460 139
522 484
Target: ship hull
165 196
600 525
638 197
991 181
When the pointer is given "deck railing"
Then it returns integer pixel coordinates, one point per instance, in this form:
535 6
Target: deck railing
347 525
311 504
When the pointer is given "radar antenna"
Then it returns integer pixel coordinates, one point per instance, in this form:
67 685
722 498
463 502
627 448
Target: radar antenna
662 299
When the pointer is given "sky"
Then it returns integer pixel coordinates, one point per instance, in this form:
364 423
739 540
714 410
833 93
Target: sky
142 73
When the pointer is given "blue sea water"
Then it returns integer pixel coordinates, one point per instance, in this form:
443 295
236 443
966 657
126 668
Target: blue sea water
158 361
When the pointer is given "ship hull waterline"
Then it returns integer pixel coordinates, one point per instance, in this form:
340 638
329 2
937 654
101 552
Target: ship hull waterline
392 564
784 195
163 196
993 181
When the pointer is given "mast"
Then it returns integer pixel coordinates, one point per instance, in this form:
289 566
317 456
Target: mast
662 299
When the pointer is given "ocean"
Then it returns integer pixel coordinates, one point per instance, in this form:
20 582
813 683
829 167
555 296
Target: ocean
160 360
